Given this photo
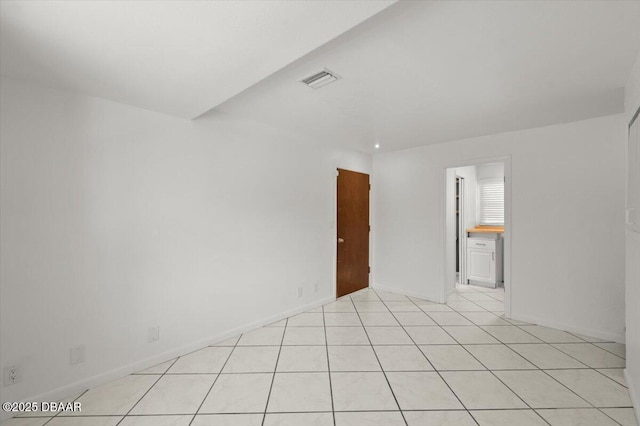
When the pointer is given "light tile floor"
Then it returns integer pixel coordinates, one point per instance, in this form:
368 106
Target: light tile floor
376 358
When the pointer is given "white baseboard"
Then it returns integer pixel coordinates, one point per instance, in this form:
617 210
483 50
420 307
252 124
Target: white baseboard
431 298
605 335
633 393
99 379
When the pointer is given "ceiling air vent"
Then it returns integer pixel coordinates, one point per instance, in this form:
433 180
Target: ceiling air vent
320 79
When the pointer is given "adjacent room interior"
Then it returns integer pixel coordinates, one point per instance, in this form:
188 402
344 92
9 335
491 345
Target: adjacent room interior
479 220
349 213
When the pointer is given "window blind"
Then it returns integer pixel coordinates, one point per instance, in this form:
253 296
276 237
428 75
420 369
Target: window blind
491 201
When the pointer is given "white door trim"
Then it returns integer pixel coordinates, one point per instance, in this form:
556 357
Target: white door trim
462 233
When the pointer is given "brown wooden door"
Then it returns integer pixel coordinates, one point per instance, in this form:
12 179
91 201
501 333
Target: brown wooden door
353 232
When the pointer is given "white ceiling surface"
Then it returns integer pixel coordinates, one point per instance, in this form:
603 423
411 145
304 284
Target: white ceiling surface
177 57
421 73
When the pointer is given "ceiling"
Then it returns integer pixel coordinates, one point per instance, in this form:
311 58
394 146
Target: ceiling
177 57
413 72
428 72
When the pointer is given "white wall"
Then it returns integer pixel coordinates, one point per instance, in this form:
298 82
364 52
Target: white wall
490 171
632 103
567 265
116 219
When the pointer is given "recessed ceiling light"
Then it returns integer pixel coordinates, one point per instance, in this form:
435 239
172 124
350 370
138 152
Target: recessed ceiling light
377 145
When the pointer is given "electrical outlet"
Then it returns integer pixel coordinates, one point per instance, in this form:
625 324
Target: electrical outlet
316 286
12 375
154 334
299 291
76 355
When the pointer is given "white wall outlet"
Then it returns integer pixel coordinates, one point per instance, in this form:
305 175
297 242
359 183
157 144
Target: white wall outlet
154 334
11 375
316 287
299 291
76 355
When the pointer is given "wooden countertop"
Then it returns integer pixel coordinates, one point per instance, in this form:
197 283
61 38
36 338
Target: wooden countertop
487 229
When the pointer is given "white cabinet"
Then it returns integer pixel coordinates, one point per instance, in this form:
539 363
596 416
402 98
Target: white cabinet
484 261
481 265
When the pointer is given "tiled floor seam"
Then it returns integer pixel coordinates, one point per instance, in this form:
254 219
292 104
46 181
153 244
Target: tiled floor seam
520 327
549 375
326 347
491 371
214 381
56 415
587 368
275 369
148 390
395 310
487 369
434 369
381 367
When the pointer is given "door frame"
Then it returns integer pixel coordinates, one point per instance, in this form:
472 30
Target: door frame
334 226
508 224
462 234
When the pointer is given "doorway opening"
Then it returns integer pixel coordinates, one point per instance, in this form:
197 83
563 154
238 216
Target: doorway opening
477 227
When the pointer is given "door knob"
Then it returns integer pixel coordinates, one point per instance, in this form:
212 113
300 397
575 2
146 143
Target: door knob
340 240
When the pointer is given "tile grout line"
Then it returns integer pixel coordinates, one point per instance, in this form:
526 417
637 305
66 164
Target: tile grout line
498 343
593 368
427 358
326 346
216 379
457 344
356 371
607 350
481 363
552 344
384 373
581 342
327 412
385 344
520 327
462 294
539 369
275 369
541 342
148 390
56 415
588 368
